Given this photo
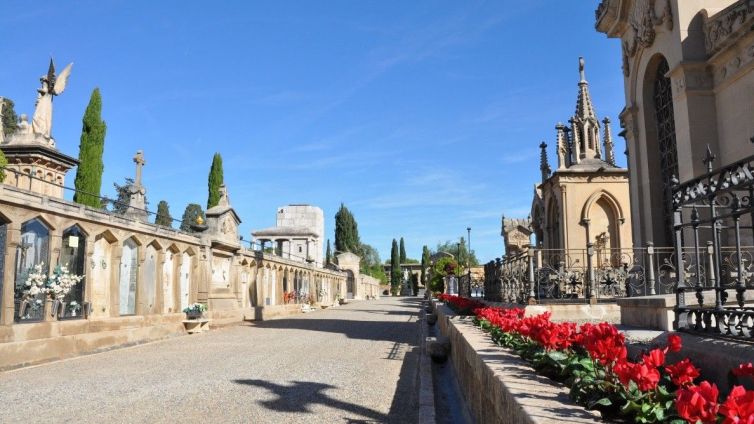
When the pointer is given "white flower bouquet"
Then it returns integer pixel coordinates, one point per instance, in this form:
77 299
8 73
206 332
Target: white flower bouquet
61 282
35 282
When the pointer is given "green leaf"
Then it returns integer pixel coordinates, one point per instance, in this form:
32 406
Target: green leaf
603 402
557 355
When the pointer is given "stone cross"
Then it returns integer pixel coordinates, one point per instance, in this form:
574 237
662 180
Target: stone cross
140 162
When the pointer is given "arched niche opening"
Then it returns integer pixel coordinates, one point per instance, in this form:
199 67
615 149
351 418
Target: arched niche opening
662 156
73 257
31 271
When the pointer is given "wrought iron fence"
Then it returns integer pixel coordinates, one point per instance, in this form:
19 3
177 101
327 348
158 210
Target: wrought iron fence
580 275
712 223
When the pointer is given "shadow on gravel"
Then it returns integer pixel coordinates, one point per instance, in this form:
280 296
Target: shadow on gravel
301 395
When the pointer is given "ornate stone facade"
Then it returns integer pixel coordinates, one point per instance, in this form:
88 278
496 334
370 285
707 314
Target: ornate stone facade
686 87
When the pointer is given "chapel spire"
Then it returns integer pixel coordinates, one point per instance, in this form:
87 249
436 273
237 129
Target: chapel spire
586 128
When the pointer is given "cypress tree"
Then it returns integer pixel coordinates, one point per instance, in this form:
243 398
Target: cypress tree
9 117
163 215
189 216
346 231
328 253
215 180
403 252
425 263
89 173
395 268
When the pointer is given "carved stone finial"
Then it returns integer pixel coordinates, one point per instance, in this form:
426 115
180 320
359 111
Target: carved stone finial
544 166
140 162
608 141
581 69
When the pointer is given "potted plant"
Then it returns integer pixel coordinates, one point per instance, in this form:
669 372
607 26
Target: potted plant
195 310
73 308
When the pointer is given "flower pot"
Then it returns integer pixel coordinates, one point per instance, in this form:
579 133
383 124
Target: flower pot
193 315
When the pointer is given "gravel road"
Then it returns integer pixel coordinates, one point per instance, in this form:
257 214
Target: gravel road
353 364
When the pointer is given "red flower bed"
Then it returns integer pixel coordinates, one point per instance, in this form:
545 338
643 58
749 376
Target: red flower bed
592 360
460 305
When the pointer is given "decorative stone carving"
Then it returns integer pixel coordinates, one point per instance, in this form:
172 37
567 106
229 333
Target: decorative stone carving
643 21
719 28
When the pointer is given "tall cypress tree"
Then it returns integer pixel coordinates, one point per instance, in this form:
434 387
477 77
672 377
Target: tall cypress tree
215 180
9 117
346 231
89 173
395 268
328 253
425 263
163 215
403 252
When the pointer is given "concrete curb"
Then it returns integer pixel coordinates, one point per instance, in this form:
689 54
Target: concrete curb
426 389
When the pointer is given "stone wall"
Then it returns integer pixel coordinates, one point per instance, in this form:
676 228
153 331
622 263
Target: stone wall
158 270
500 387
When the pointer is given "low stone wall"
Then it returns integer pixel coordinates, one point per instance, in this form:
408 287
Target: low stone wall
656 312
53 340
499 386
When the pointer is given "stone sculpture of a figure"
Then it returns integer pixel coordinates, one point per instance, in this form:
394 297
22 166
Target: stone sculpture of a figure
52 85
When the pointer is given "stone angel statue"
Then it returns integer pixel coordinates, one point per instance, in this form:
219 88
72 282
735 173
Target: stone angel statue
52 85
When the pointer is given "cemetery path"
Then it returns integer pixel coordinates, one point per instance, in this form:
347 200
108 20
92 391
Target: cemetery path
352 364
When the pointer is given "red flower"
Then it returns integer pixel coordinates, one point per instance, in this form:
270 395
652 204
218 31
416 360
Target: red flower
655 358
682 373
674 342
739 407
698 403
604 342
645 377
744 370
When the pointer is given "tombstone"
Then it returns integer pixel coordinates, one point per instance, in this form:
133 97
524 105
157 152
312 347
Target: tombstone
100 281
185 280
168 299
149 283
127 281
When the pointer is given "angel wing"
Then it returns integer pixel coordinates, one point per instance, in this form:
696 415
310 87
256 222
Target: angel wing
62 79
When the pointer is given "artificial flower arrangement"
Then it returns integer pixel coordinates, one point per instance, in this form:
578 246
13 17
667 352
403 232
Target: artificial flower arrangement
61 282
195 309
592 360
35 283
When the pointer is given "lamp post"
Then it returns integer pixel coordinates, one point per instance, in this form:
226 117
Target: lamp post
468 257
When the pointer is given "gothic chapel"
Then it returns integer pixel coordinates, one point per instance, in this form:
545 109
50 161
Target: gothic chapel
586 199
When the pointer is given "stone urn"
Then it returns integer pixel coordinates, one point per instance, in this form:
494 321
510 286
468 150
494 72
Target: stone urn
194 314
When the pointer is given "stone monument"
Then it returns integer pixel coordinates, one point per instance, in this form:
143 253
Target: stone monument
136 192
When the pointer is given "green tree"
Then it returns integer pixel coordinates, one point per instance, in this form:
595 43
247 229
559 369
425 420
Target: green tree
403 252
371 264
425 264
459 251
215 180
189 216
91 146
3 164
163 215
120 205
328 253
346 231
443 267
415 284
9 117
395 269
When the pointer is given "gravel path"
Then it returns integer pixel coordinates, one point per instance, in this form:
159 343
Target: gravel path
353 364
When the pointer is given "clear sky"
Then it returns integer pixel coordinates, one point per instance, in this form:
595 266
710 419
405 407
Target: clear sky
423 117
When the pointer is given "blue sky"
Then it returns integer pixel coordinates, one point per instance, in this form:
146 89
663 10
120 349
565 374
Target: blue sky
423 117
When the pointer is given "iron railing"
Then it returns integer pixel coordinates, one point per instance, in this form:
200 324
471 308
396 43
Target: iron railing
712 223
580 275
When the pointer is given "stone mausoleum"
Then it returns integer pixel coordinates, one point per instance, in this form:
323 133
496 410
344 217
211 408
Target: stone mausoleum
298 233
